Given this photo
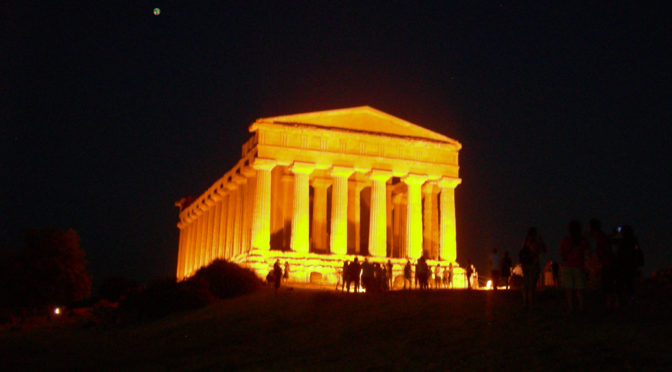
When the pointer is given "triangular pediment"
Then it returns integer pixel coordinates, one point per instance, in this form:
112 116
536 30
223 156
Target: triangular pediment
363 118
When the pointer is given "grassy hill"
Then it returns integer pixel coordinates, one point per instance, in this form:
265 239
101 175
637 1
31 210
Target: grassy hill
300 329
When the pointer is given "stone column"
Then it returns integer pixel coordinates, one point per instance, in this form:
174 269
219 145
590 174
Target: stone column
217 228
320 214
398 228
189 247
193 246
378 219
261 215
180 251
300 238
388 222
339 210
354 213
221 244
230 216
248 205
427 226
414 215
207 254
448 247
238 214
198 252
287 208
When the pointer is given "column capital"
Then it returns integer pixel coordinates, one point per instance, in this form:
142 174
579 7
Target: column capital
380 175
302 168
214 195
428 187
449 182
264 164
287 177
238 179
221 189
209 201
231 185
414 179
341 171
321 182
247 171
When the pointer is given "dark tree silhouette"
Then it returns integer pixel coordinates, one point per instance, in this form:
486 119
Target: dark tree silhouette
52 269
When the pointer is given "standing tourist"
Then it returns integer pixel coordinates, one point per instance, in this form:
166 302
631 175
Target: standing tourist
345 276
367 275
470 270
607 262
573 251
505 268
285 275
533 246
407 274
629 258
353 272
277 274
390 279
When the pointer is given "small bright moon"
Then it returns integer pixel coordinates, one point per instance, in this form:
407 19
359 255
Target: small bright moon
157 11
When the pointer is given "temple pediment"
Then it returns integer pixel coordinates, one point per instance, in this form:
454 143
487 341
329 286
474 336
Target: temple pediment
361 119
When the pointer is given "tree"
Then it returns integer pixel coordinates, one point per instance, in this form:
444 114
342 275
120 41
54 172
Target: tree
52 269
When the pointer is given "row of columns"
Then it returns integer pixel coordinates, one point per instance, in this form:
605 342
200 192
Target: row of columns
224 225
339 212
219 227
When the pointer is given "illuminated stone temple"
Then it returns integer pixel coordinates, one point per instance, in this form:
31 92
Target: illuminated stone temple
318 188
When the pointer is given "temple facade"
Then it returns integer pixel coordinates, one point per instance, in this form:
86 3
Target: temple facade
318 188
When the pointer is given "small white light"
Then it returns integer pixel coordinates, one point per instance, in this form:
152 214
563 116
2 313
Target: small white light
57 311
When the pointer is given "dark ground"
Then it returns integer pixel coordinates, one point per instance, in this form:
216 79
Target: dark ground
301 329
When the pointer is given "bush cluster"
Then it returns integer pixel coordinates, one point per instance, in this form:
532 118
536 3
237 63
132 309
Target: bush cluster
221 279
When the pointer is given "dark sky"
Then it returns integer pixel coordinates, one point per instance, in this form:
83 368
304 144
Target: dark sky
109 113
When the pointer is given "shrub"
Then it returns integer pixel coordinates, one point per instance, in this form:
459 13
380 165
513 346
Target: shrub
225 279
219 280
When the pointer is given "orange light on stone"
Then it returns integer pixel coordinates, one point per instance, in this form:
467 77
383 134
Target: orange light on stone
317 188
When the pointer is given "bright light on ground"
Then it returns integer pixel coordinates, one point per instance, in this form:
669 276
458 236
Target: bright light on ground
57 311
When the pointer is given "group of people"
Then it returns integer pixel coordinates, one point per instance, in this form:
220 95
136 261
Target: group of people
373 277
609 262
276 275
614 263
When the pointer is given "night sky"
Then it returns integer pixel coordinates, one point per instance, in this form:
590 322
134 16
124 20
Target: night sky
109 114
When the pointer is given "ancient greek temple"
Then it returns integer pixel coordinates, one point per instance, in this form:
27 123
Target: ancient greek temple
318 188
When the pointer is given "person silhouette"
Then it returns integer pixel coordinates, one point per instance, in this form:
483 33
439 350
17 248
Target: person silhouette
505 268
407 274
573 250
354 271
390 279
285 275
277 274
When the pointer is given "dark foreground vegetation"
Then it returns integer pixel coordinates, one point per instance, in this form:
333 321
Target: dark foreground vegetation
296 329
